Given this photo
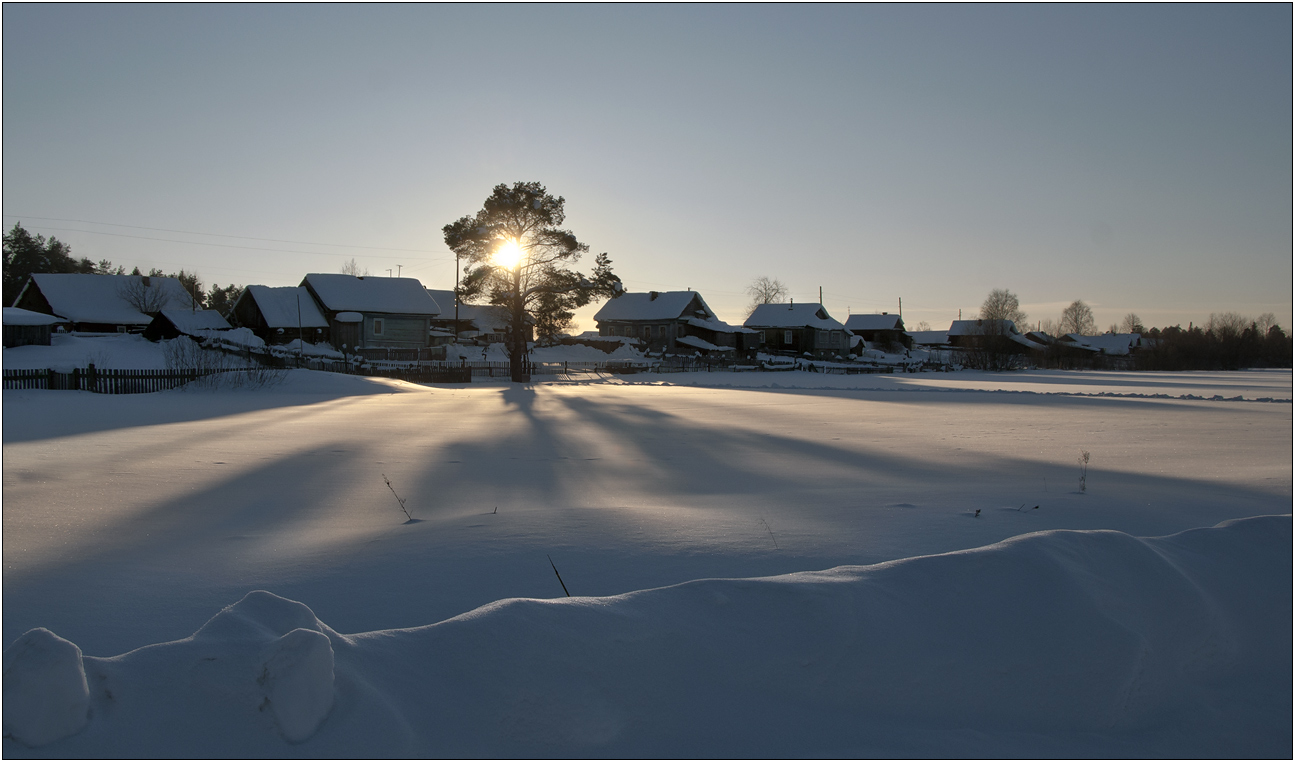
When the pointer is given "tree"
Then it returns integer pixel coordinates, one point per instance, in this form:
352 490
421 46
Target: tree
1077 318
222 299
143 295
25 254
764 290
1002 305
1131 324
519 256
353 268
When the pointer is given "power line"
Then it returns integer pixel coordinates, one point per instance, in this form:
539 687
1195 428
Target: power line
216 235
226 245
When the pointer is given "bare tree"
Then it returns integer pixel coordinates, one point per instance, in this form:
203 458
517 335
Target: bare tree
1077 318
1132 324
1265 322
764 290
922 325
1227 326
1001 305
143 294
353 268
1049 326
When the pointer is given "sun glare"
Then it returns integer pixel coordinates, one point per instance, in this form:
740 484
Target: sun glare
508 254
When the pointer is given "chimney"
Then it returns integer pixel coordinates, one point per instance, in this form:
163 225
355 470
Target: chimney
652 295
145 279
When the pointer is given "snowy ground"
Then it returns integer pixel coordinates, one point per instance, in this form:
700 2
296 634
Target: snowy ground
131 520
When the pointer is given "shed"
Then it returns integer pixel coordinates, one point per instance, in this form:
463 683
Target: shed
280 314
23 327
172 323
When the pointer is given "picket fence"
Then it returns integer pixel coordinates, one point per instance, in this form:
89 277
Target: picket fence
103 380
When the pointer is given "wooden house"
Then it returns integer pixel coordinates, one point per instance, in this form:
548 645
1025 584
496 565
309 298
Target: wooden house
102 303
800 329
280 314
884 329
24 327
170 324
479 323
675 322
370 312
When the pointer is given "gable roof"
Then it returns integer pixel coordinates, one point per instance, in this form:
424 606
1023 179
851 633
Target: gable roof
978 327
810 315
190 322
1108 343
486 318
91 298
279 305
653 305
879 322
392 296
18 316
930 338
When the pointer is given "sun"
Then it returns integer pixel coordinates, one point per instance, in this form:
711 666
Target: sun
508 254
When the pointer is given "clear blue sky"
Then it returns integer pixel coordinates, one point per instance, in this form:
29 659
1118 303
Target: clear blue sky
1137 157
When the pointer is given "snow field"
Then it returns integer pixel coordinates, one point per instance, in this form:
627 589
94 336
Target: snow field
691 515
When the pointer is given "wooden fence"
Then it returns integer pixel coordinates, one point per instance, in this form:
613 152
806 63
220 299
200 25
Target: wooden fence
103 381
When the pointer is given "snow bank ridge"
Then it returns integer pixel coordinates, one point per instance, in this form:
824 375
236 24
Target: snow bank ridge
45 693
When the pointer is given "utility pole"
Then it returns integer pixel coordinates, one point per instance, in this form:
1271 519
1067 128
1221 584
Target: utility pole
398 270
388 272
820 296
901 308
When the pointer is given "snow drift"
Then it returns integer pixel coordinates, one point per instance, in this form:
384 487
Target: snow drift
1058 643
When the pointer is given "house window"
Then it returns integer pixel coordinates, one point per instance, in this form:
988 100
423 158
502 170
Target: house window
786 337
680 333
377 326
822 338
647 332
660 332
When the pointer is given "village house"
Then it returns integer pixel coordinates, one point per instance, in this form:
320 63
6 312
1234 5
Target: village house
800 329
673 322
24 327
170 324
102 303
482 323
883 330
372 312
280 314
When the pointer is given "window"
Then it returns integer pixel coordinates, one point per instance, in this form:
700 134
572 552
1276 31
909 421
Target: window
786 337
660 332
822 338
647 332
377 326
679 333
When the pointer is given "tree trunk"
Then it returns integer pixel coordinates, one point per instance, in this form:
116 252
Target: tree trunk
515 367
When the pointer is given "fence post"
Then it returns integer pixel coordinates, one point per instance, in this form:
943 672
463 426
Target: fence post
91 378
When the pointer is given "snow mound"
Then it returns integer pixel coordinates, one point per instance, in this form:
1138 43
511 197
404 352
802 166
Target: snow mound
1058 643
45 693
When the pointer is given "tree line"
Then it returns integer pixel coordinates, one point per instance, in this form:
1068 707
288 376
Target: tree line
25 254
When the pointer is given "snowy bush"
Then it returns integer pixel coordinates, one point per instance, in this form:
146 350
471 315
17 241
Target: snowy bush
217 368
45 693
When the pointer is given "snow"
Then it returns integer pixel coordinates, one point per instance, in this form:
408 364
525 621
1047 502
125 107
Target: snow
84 298
717 325
16 316
68 350
392 296
693 341
1108 343
792 316
279 306
196 323
655 305
783 564
881 322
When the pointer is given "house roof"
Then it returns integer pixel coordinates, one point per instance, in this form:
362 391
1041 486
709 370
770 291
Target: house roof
929 338
279 305
693 341
90 298
718 326
190 322
879 322
486 318
391 296
978 327
652 305
1108 343
16 316
809 315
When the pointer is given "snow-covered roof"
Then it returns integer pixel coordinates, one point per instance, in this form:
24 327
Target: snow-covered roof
392 296
89 298
809 315
190 322
978 327
718 326
279 304
929 338
652 305
488 318
1108 343
16 316
693 341
881 322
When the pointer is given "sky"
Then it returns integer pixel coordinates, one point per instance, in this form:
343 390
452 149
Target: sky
1137 157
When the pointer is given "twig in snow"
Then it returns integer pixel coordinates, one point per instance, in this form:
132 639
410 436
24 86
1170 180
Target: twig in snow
555 571
398 498
1083 470
770 531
